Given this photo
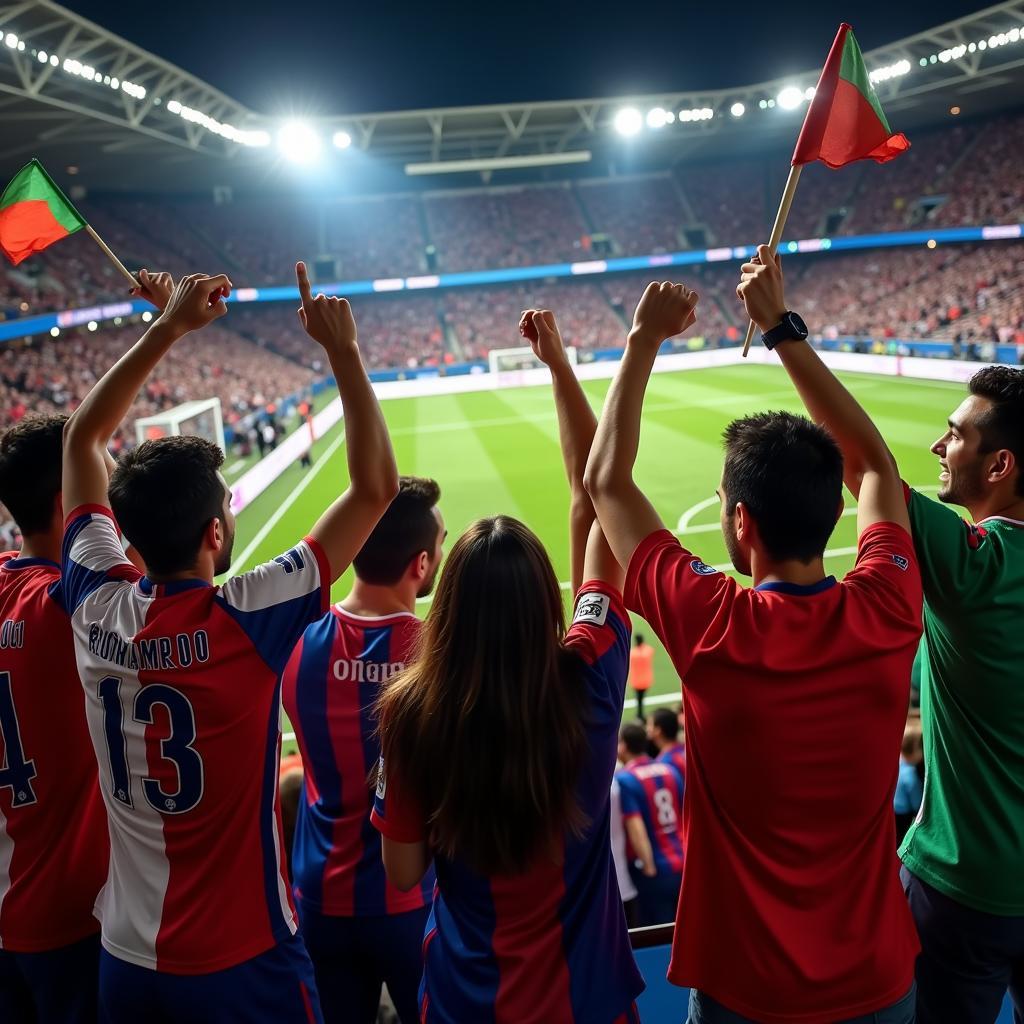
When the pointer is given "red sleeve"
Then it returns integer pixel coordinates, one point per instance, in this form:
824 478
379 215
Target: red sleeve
324 569
887 567
600 625
678 594
394 815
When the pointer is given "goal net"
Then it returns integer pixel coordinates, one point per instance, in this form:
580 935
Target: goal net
197 419
512 360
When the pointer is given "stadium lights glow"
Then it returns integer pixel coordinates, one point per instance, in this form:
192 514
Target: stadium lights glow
809 93
298 142
342 140
931 243
790 98
11 40
658 117
92 325
628 121
737 109
226 131
883 74
147 316
54 332
696 114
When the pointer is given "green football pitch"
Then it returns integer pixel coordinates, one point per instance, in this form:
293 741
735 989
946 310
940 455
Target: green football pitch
498 452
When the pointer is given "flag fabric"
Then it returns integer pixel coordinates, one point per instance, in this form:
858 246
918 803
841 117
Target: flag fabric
845 121
34 214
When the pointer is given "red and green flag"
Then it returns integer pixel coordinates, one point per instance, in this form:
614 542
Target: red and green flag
845 121
34 214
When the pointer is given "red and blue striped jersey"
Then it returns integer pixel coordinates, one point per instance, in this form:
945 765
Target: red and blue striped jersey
53 829
675 755
183 701
331 684
654 791
550 944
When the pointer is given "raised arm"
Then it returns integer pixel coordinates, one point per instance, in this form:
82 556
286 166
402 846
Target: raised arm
590 555
196 301
625 514
869 470
373 476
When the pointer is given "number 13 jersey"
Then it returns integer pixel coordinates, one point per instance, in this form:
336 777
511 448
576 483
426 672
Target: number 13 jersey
182 685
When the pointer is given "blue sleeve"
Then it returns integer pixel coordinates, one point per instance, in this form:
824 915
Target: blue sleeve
632 800
91 555
276 601
599 636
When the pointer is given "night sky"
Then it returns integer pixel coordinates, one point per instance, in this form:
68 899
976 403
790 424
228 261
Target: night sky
318 57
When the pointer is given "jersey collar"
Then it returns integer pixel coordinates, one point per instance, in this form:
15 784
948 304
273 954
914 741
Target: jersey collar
27 563
1001 519
639 760
798 589
151 589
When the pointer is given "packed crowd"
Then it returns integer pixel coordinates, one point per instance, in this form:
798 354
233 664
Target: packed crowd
514 825
962 173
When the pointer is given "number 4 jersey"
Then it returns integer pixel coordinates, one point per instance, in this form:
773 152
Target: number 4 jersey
53 830
183 705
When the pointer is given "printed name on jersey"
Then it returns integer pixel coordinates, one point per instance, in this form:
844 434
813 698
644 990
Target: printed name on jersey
160 652
357 671
702 568
12 634
902 562
382 783
592 608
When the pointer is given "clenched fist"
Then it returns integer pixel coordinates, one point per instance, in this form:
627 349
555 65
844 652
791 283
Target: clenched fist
664 311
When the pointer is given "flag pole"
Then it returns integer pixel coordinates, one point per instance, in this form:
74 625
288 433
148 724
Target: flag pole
780 226
110 255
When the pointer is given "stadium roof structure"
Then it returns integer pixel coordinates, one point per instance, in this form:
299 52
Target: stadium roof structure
73 93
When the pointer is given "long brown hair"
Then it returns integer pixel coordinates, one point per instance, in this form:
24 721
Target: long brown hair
485 728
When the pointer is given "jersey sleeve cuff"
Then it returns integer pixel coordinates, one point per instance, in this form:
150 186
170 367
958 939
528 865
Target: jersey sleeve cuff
324 568
392 830
89 509
615 601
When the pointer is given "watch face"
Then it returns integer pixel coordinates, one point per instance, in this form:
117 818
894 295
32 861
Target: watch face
797 325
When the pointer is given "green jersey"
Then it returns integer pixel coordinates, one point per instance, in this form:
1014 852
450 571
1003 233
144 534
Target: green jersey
968 839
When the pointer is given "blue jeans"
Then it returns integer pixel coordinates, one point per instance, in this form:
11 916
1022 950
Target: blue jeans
704 1010
968 958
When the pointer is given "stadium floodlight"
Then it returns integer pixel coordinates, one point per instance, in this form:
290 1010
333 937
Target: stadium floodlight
500 163
54 332
92 325
737 109
657 117
42 56
342 140
298 142
809 93
763 104
790 98
11 40
54 60
628 121
147 316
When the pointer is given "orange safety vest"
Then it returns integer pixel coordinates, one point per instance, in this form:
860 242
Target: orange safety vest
641 667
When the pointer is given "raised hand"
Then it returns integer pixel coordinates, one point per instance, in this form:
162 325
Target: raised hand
538 327
155 288
327 320
196 301
761 289
664 311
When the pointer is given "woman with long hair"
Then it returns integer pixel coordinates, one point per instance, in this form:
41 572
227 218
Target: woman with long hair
498 750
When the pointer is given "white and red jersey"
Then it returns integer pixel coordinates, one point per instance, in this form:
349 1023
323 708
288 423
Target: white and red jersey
53 829
183 702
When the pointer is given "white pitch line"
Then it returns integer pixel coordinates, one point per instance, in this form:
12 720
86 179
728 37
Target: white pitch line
286 504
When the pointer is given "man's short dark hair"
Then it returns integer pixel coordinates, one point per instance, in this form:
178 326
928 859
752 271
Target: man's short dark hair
164 494
406 528
667 723
1003 425
788 472
634 738
30 470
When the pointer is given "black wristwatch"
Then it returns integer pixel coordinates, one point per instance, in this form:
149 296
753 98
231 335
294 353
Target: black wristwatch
791 328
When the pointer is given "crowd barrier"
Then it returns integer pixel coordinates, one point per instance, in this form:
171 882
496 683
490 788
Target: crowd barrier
251 484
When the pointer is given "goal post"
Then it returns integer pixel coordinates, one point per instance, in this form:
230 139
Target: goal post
509 360
197 419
